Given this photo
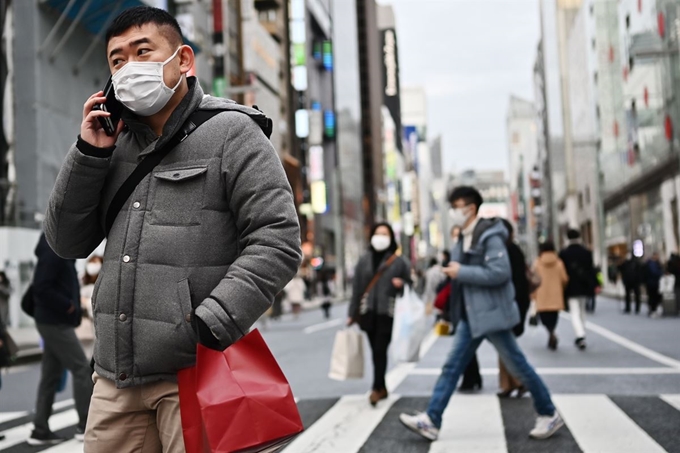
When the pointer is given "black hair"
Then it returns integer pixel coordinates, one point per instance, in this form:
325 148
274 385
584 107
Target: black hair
547 246
433 262
573 234
393 239
468 194
447 258
142 15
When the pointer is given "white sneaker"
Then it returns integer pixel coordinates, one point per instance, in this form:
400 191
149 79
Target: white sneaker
546 426
420 423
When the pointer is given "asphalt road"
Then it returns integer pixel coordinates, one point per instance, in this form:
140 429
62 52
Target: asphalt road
622 394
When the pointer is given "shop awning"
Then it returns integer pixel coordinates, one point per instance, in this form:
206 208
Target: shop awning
93 15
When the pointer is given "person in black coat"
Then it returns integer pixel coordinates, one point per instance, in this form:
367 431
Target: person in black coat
653 271
506 381
578 261
57 312
631 273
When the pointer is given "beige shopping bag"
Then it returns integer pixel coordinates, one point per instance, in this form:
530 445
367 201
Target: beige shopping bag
347 360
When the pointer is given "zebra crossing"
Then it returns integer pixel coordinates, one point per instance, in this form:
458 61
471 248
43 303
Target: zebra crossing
472 423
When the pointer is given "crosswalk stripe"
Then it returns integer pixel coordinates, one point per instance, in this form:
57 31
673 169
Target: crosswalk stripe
19 434
564 371
472 423
70 446
598 424
344 428
7 416
673 400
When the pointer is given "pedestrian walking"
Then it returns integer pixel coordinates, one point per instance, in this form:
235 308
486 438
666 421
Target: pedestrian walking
653 271
5 294
483 302
549 296
57 312
582 285
518 266
673 268
434 276
277 306
631 274
85 331
8 352
201 244
379 277
326 290
296 291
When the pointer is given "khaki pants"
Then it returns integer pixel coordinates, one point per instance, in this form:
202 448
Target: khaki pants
142 419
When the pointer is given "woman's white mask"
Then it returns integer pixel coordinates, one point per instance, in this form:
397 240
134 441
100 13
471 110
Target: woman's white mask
140 87
93 268
380 243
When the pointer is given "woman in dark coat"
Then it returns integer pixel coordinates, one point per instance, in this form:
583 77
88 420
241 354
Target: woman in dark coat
375 312
507 382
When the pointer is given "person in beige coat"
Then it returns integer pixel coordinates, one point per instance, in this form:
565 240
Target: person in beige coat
549 296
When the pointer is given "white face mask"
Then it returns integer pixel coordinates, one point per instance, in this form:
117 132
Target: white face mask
140 87
380 243
93 268
458 217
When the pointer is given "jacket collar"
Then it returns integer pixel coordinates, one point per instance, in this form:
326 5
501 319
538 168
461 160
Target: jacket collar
184 109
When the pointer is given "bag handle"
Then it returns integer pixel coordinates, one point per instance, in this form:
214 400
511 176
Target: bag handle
378 274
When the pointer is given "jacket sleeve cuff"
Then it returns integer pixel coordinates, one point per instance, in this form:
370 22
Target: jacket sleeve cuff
205 336
93 151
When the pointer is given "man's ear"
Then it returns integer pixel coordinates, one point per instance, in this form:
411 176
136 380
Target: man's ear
187 59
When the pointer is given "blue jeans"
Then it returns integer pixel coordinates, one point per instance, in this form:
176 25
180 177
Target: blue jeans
464 347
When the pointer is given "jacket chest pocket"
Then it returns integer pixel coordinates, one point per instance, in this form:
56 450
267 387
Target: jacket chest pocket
177 196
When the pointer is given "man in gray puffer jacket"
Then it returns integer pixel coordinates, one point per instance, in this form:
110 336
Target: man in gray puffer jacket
198 251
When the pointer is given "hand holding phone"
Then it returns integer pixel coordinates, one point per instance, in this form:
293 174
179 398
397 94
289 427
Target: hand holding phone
101 118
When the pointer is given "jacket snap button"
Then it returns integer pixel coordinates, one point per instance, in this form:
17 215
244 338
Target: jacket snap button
136 204
122 317
188 317
126 259
122 376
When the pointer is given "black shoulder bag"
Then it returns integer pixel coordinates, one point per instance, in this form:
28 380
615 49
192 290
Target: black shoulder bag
152 160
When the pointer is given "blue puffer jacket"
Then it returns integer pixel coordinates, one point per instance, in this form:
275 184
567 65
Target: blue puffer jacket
485 281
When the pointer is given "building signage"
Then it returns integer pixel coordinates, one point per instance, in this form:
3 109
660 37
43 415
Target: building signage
390 60
318 189
302 123
391 90
316 128
316 172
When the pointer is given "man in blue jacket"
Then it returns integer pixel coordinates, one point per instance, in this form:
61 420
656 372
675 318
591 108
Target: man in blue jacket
482 302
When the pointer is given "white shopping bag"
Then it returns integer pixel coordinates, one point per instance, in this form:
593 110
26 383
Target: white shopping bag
667 285
410 327
347 360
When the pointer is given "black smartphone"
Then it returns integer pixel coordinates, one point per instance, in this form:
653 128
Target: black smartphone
113 106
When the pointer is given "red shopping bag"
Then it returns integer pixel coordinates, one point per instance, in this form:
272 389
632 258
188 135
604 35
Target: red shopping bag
443 298
237 401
